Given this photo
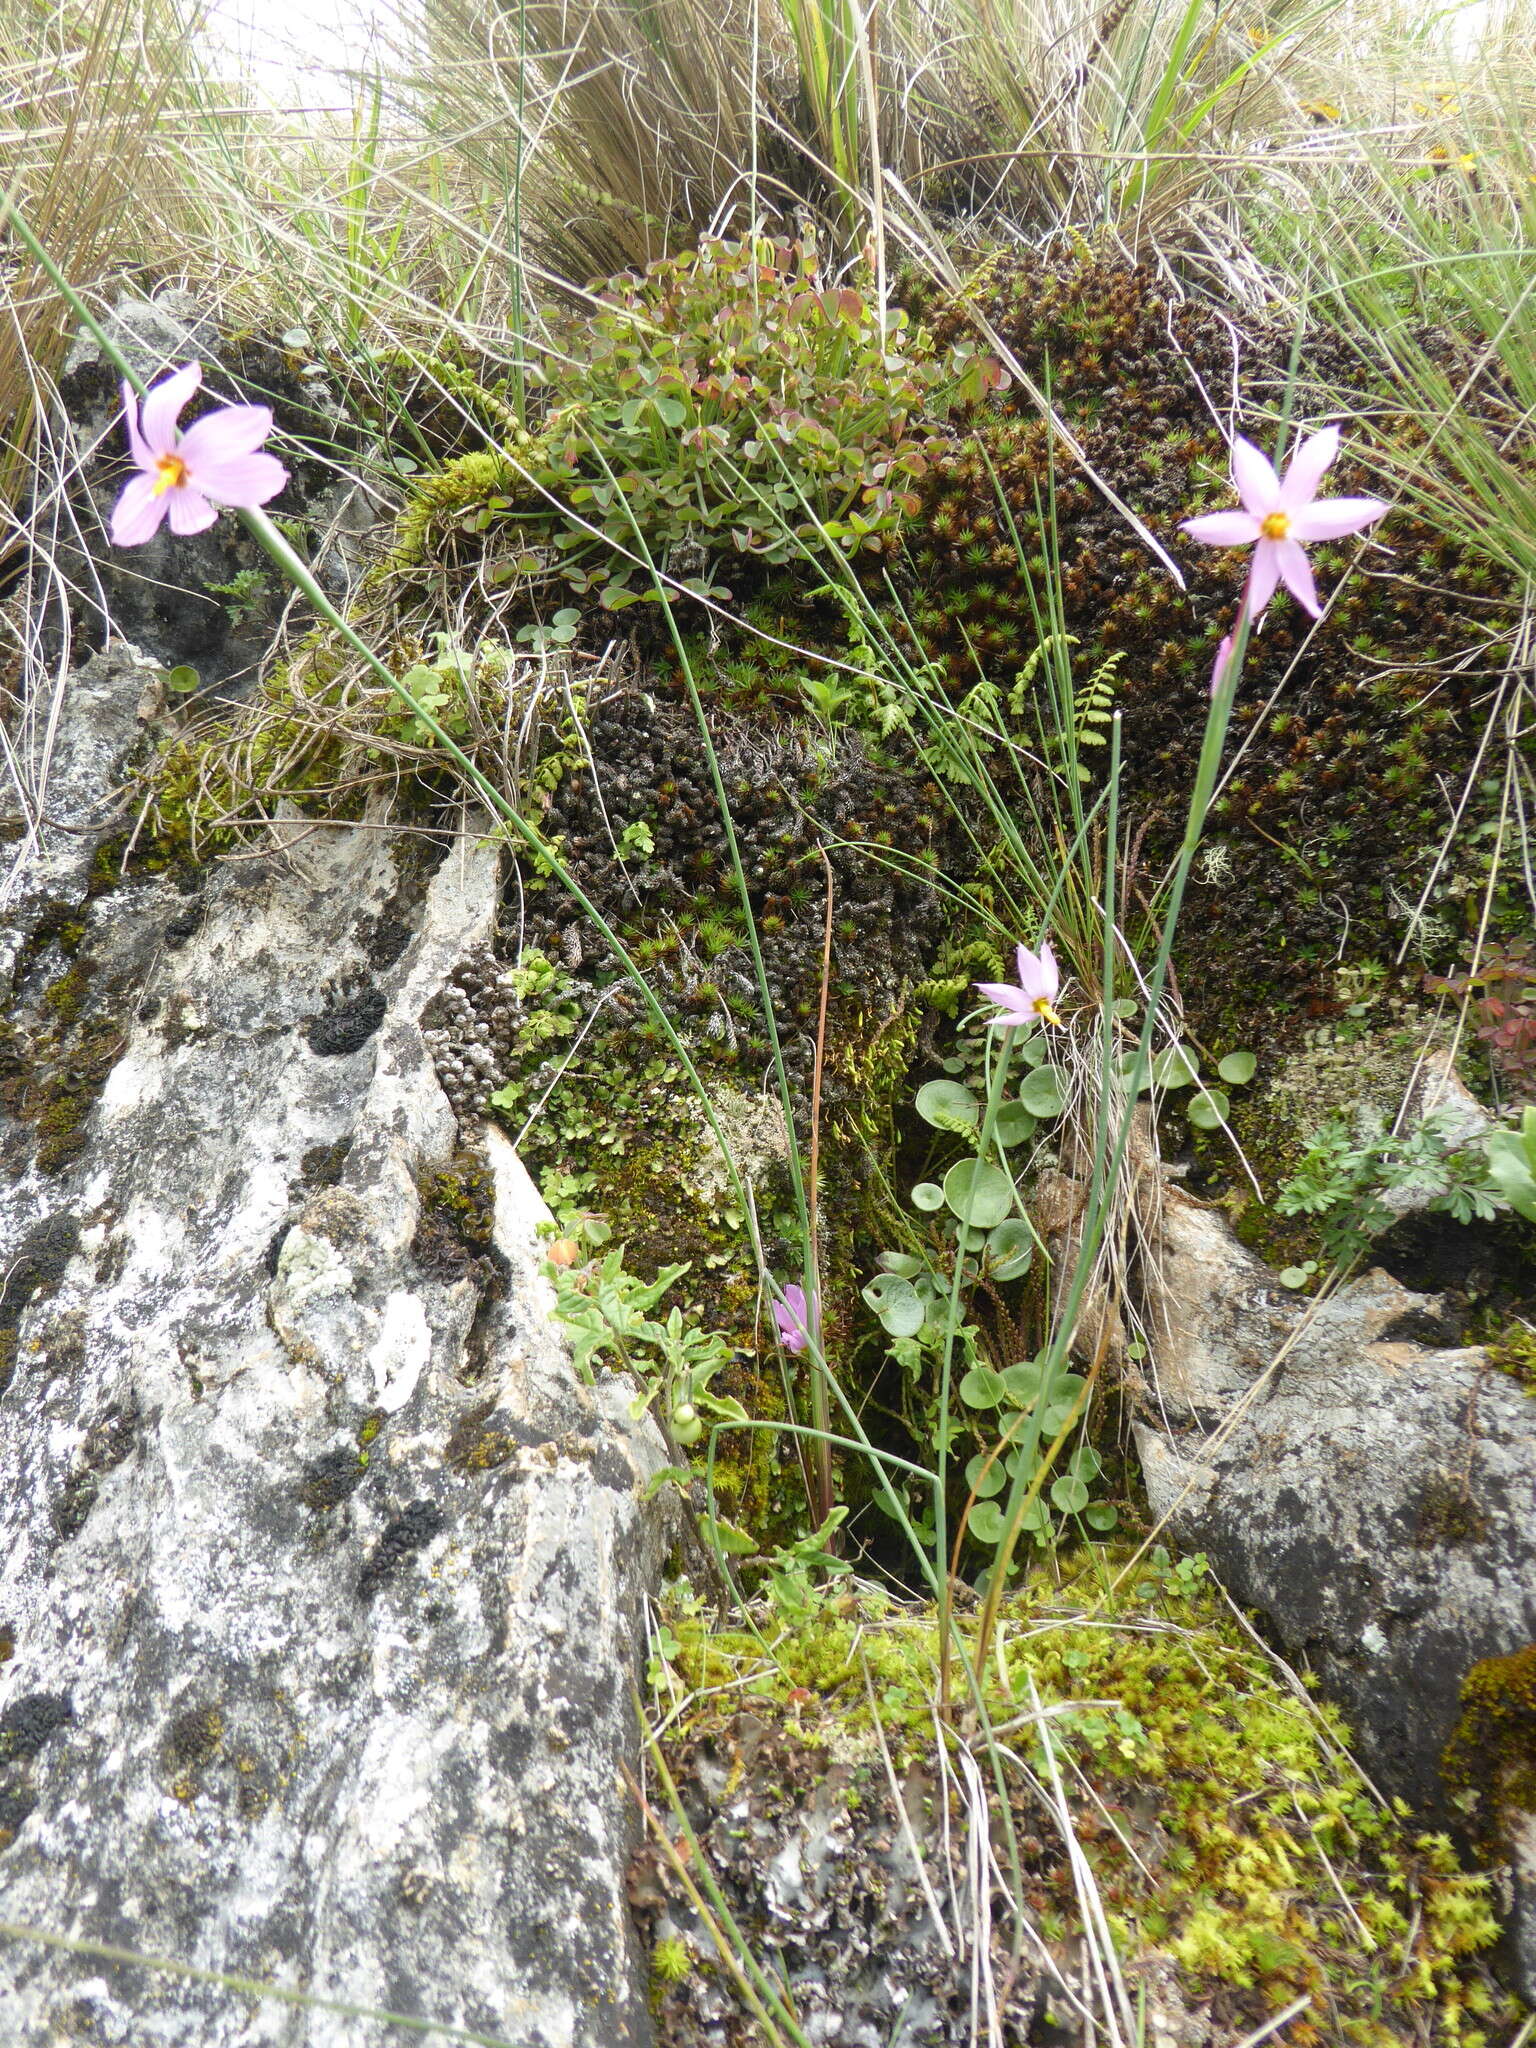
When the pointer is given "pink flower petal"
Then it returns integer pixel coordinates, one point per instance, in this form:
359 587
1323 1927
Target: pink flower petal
240 479
1334 517
217 436
137 514
190 510
1050 974
1008 998
1223 529
1305 470
794 1325
1296 574
136 442
1031 974
1254 475
164 403
1262 578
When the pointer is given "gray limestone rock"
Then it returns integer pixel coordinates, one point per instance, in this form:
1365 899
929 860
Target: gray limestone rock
323 1576
1372 1493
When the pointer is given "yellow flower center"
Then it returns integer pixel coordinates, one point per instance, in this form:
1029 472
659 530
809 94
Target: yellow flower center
172 474
1276 526
1042 1008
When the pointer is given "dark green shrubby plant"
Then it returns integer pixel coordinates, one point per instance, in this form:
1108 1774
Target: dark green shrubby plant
731 403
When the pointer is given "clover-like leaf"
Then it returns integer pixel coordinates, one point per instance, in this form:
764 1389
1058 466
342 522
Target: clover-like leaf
897 1303
1010 1246
1175 1067
981 1387
1013 1124
1070 1495
984 1475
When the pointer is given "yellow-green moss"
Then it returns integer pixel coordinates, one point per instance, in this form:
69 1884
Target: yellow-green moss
461 486
1513 1352
1238 1797
1490 1760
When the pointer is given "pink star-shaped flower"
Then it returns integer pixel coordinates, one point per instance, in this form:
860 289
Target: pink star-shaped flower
1038 986
215 462
1282 515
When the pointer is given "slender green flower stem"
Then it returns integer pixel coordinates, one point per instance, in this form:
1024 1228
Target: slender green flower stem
1107 1173
984 1144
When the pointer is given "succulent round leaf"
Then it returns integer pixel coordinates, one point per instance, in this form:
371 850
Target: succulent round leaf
947 1105
1044 1092
1208 1109
979 1194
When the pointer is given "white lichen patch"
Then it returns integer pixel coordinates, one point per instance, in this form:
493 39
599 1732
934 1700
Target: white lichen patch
400 1352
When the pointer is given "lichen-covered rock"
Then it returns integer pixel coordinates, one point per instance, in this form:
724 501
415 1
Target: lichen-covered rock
1372 1493
323 1574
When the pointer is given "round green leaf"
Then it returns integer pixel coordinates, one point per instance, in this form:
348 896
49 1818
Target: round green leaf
1125 1007
1100 1515
984 1477
1021 1383
1237 1068
986 1523
907 1264
1014 1124
1297 1276
979 1194
1208 1109
944 1104
1070 1495
927 1195
1175 1067
1031 1050
183 678
895 1301
1010 1247
1043 1093
981 1387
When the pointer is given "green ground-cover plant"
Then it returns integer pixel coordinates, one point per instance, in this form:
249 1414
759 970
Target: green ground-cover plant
994 734
718 402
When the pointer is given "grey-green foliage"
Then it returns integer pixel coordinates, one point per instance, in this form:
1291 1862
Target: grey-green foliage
607 1311
1348 1174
